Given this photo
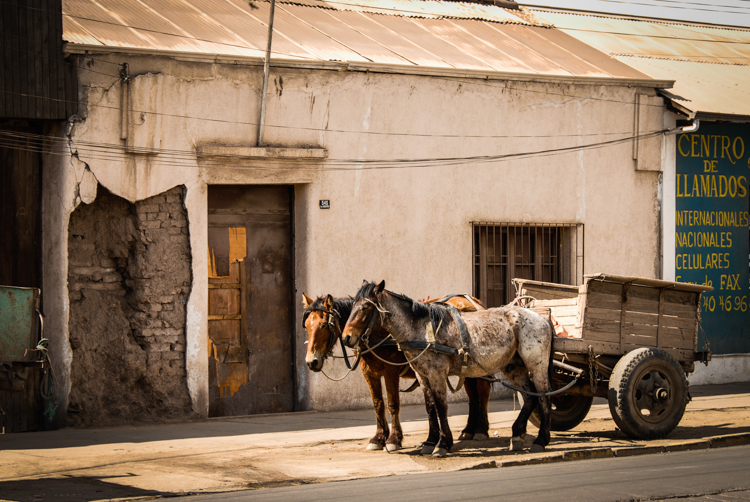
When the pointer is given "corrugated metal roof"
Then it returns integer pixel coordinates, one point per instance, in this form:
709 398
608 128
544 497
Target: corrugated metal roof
399 33
710 64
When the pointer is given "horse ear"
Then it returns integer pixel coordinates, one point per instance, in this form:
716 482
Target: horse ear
328 302
306 300
380 287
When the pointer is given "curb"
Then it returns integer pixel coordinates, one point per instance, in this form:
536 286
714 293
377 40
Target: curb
628 451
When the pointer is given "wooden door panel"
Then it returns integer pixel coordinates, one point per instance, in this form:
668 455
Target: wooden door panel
261 302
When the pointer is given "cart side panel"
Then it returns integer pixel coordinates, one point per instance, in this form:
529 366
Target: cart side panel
562 302
641 316
546 291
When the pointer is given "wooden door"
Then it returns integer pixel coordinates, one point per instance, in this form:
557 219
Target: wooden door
251 335
20 209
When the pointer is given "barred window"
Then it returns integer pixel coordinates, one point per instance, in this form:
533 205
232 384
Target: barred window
541 252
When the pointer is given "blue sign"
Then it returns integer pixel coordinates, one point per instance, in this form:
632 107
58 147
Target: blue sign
713 239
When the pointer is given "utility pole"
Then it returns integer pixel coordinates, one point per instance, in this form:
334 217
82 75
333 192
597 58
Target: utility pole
266 69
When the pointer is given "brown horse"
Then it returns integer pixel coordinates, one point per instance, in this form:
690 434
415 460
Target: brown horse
323 319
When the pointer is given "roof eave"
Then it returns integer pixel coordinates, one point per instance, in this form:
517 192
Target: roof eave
721 117
86 49
674 106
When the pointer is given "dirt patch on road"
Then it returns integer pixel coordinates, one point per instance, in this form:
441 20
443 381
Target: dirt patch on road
339 460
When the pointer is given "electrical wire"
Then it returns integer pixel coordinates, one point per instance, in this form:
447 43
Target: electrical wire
189 159
630 2
344 131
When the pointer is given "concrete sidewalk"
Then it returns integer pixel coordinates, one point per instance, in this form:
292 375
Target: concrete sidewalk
262 451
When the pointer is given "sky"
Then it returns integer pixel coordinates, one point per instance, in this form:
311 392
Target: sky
728 12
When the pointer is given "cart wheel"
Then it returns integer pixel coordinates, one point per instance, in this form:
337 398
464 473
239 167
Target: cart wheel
568 410
648 392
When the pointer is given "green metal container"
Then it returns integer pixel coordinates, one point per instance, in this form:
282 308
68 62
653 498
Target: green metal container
19 323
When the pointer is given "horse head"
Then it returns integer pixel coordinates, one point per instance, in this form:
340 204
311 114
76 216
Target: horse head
365 313
320 321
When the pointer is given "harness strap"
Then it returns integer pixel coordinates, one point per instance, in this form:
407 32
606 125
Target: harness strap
420 345
346 356
412 387
464 332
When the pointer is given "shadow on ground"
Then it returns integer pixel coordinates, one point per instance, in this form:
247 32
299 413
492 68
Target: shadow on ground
70 489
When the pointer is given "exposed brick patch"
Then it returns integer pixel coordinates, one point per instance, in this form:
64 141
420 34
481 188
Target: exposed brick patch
129 280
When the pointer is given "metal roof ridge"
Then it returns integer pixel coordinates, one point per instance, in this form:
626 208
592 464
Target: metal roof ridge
437 9
84 49
678 59
631 17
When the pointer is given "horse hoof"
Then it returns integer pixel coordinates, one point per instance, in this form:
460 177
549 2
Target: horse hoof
439 452
374 447
480 436
516 444
466 436
536 448
390 447
427 449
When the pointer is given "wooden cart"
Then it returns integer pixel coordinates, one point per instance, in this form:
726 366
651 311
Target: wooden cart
630 340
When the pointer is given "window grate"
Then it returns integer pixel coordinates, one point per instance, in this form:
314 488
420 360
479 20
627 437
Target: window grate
545 252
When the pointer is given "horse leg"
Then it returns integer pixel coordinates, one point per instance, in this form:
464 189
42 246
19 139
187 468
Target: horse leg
376 391
432 417
519 378
478 424
470 384
482 429
393 443
437 387
542 383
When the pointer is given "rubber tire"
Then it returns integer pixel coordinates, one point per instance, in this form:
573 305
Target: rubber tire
638 371
568 410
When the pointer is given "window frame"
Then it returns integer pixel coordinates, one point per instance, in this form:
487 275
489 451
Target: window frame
562 258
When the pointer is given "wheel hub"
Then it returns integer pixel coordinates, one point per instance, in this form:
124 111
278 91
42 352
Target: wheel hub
661 394
652 395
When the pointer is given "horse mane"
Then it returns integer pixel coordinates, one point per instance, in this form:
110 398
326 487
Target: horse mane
342 305
437 313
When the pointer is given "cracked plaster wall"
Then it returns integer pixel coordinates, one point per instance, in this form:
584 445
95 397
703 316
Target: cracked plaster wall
416 222
128 282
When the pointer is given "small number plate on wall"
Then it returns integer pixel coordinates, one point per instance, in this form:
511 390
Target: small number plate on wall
325 204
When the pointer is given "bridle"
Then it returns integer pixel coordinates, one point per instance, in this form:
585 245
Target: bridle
334 331
332 323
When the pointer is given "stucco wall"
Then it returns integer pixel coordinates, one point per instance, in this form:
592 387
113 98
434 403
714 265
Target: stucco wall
407 225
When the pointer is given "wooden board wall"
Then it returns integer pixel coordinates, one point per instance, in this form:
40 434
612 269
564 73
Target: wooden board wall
625 317
36 82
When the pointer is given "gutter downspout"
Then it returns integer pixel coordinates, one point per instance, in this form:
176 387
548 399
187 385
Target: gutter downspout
685 129
677 130
266 68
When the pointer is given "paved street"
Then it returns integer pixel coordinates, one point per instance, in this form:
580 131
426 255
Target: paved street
231 454
717 475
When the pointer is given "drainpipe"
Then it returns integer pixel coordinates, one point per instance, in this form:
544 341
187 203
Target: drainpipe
685 129
266 68
677 130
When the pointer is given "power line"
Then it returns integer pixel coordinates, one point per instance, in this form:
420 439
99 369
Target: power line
345 131
180 158
720 11
702 4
